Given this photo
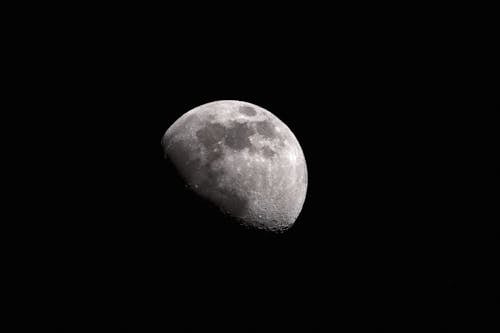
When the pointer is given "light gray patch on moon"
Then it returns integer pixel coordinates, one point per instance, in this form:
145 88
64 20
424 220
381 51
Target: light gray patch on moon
227 198
188 161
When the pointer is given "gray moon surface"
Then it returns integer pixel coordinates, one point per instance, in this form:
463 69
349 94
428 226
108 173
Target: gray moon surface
243 159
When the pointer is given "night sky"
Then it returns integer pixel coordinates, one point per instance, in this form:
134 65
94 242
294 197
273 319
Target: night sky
384 240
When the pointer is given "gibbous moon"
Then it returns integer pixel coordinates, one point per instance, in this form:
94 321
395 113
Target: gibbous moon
242 159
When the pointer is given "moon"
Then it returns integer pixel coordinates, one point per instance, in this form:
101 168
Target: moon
243 159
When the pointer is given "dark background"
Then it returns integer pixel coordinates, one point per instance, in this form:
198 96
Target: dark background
391 232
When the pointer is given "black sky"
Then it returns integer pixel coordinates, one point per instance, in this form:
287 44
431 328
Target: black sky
384 240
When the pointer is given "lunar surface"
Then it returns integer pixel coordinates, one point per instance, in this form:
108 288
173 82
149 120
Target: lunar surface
242 159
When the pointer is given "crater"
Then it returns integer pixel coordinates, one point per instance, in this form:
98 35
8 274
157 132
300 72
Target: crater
247 110
238 136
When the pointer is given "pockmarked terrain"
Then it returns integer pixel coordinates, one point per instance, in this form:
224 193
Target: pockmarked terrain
243 159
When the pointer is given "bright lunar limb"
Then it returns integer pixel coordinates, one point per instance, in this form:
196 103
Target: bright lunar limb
243 159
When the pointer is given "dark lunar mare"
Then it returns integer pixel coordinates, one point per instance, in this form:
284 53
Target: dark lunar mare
211 134
266 129
247 110
238 136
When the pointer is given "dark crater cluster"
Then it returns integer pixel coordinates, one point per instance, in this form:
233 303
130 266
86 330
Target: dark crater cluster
238 136
235 136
